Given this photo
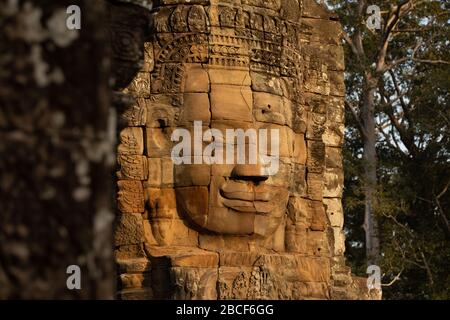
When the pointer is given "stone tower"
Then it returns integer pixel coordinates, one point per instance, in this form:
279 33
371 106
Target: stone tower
225 231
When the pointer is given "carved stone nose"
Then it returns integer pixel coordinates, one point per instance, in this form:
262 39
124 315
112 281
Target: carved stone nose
252 172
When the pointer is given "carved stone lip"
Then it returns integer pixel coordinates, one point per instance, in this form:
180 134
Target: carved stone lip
245 202
247 196
246 191
244 197
259 207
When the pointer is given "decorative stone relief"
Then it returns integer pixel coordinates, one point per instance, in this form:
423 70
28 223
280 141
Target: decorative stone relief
230 231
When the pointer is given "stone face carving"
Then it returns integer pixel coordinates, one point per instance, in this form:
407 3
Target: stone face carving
231 231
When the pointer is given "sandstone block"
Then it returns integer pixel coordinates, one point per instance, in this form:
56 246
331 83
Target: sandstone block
132 167
224 243
336 110
266 83
315 186
129 281
299 211
318 216
136 294
162 230
196 107
231 103
264 225
285 144
333 135
183 234
334 57
159 144
316 156
183 257
317 81
135 115
269 108
192 175
335 212
323 31
316 103
163 111
140 87
298 180
161 203
131 141
128 229
299 118
228 76
167 172
155 172
339 241
312 9
234 283
194 202
149 238
317 243
334 183
194 283
316 126
197 79
337 83
225 221
334 158
126 252
300 151
238 259
317 290
137 265
295 239
279 179
130 196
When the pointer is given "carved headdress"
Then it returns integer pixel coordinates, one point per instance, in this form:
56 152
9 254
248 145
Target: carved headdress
260 34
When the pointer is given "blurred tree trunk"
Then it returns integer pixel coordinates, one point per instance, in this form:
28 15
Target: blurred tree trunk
370 171
57 151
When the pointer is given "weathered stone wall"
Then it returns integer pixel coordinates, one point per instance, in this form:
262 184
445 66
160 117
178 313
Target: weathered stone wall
56 152
235 64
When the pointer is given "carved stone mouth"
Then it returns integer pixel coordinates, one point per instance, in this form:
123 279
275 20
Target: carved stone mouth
259 207
246 197
248 202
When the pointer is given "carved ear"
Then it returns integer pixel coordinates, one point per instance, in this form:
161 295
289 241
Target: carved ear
161 115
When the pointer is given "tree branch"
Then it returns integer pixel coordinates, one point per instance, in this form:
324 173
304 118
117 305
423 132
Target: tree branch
394 17
439 61
396 278
356 116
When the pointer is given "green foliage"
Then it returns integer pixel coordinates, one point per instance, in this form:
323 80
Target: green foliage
413 148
